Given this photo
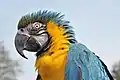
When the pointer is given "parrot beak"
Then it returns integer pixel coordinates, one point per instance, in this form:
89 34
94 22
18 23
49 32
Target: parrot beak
20 41
26 42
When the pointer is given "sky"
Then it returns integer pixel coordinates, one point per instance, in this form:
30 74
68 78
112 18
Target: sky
96 24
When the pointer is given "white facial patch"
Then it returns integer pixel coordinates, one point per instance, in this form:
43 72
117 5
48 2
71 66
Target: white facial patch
41 39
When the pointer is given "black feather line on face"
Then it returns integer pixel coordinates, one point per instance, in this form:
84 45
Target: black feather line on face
44 17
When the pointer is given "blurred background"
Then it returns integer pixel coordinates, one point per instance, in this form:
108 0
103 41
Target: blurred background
96 24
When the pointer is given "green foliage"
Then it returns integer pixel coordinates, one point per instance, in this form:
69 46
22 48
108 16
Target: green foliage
116 71
9 69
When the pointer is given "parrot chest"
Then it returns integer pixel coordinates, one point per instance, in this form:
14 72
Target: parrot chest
51 66
50 69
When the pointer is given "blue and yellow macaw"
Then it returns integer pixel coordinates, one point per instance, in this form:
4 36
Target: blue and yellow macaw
58 54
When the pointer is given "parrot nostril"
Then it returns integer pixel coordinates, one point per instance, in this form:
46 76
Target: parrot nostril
21 30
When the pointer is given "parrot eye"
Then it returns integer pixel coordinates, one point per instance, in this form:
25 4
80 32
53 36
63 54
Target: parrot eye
35 28
37 25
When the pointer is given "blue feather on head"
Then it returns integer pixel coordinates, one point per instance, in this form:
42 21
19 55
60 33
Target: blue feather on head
44 17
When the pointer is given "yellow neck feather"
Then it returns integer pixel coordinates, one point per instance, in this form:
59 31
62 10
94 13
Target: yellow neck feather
51 65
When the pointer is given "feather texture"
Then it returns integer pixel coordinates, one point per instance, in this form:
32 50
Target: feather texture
45 17
85 64
81 63
51 65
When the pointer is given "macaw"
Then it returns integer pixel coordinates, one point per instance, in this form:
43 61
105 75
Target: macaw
59 56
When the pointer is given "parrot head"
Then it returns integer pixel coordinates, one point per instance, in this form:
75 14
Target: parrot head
33 34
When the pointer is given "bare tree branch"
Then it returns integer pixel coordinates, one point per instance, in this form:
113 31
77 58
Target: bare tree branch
116 70
9 69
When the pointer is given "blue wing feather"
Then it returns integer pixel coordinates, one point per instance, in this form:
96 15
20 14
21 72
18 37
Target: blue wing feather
82 64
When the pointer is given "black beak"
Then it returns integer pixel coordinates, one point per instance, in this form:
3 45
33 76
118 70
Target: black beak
26 42
20 41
